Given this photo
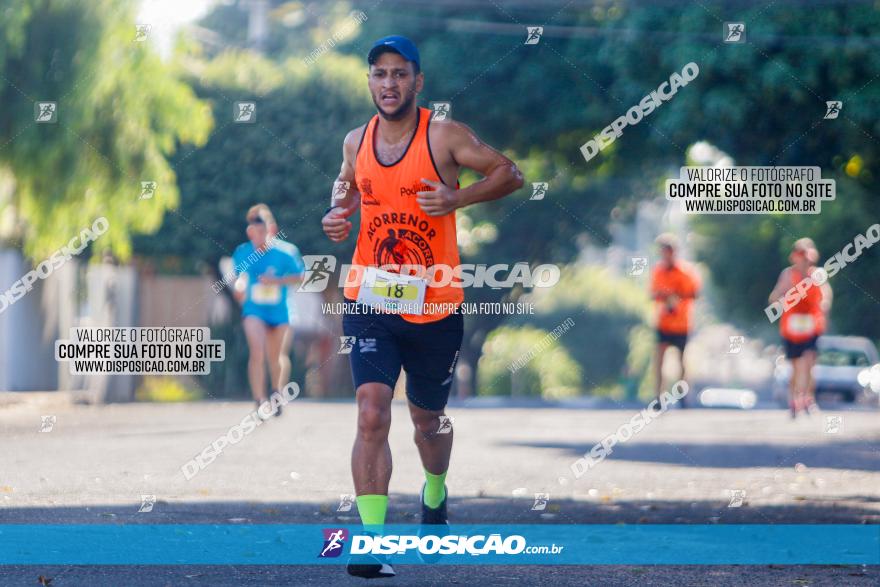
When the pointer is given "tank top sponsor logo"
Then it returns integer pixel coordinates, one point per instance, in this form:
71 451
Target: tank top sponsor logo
402 247
414 190
366 189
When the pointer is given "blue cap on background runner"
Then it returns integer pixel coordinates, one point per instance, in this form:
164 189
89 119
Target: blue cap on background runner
398 44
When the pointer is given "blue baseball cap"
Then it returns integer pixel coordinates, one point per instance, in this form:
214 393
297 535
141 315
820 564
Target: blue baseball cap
398 44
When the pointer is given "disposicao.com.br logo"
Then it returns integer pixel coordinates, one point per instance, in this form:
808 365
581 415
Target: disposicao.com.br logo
452 544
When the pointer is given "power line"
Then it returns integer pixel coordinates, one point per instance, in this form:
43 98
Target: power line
537 5
627 34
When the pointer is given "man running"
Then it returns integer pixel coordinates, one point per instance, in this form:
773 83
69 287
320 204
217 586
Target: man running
801 325
406 169
674 286
265 267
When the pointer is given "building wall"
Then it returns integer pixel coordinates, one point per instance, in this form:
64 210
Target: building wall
27 344
74 294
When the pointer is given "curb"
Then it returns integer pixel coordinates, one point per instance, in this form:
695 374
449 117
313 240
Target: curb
33 399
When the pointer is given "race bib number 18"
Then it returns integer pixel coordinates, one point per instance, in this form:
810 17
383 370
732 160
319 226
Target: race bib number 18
392 292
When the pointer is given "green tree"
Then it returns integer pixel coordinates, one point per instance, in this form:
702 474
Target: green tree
287 159
121 113
527 361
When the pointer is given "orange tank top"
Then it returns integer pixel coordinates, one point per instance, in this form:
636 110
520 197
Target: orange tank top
394 229
805 320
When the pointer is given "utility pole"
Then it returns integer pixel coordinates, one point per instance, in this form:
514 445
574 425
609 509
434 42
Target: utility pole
258 23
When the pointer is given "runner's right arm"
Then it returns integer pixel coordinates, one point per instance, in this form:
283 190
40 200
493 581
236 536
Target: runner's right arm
658 293
239 284
335 222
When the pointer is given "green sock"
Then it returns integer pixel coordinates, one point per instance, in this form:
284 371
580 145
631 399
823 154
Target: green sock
435 489
372 509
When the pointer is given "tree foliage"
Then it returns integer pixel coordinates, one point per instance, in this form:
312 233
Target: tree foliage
287 159
121 113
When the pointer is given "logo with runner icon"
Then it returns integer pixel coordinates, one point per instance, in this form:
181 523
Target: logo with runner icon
735 32
832 109
539 190
441 111
365 187
346 501
736 343
639 264
533 35
319 268
346 345
445 424
334 542
47 423
340 189
541 500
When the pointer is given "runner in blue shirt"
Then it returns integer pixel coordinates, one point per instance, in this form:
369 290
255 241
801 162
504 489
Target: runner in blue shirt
264 272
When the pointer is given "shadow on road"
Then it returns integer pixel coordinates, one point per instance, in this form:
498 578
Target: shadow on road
845 455
498 510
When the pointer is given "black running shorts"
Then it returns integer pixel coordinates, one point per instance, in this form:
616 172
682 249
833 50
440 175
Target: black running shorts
794 350
677 340
386 342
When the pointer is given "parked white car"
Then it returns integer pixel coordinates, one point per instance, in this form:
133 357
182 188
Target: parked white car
846 366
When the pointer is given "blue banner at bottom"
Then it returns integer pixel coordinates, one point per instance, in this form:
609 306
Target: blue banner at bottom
295 544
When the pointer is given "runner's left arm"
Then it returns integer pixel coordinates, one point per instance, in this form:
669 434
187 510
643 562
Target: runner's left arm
501 176
294 270
285 280
827 297
692 284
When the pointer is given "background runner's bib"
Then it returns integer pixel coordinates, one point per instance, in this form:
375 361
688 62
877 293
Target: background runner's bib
265 294
394 229
802 325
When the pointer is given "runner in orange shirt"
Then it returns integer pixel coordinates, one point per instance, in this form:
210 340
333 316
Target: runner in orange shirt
401 171
674 286
801 325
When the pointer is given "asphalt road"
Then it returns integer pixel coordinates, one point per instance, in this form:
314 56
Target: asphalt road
96 463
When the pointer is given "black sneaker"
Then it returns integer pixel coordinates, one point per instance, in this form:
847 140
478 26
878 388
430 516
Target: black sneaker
369 566
434 523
